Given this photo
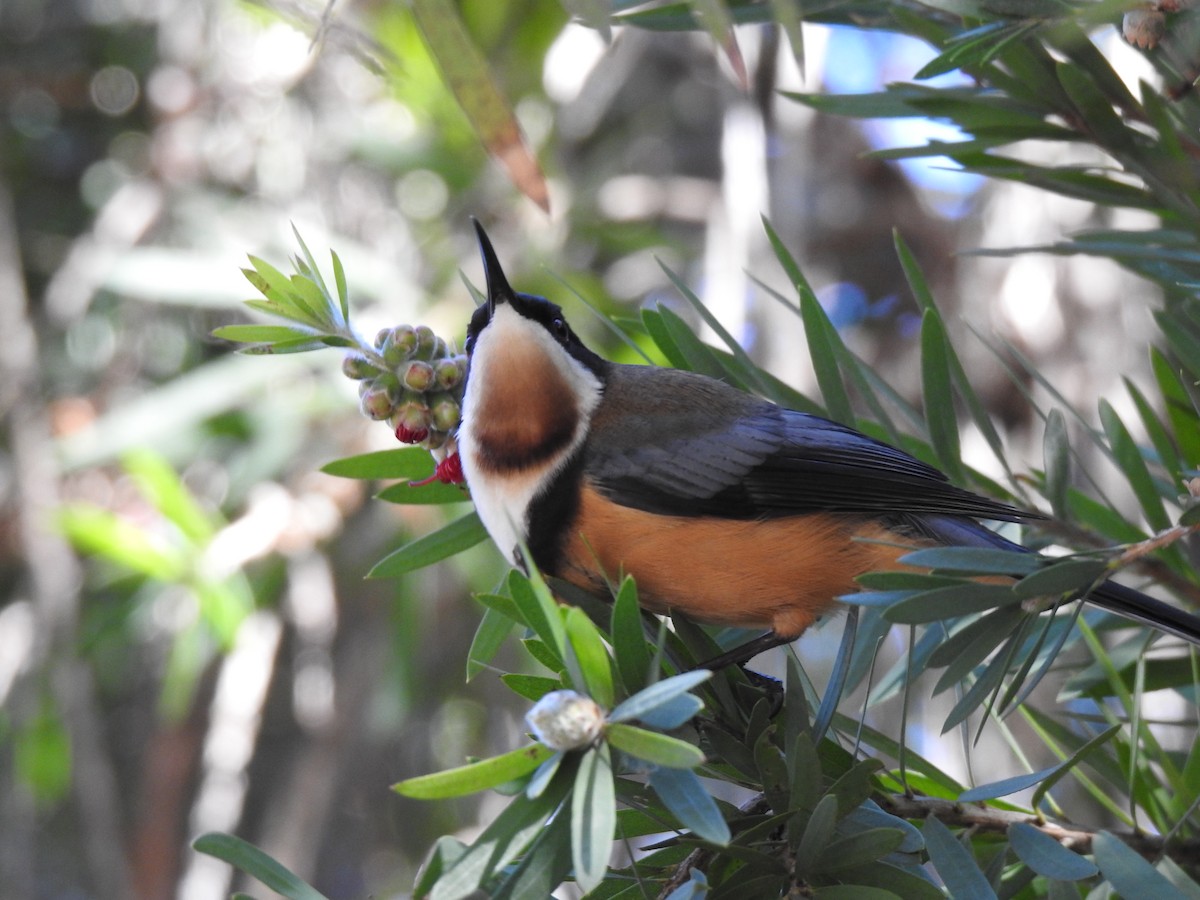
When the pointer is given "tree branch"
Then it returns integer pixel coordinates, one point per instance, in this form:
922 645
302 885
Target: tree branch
997 821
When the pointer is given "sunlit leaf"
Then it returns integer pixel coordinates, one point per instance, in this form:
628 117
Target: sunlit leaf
592 656
654 747
459 535
469 78
476 776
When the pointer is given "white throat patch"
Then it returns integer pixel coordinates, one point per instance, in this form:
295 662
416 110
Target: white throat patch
503 499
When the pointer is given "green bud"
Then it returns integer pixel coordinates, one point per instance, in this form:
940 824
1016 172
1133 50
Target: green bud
410 420
445 411
418 376
375 403
357 367
426 342
382 337
448 374
390 382
435 440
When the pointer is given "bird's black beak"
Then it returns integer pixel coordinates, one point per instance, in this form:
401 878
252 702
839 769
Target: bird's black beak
498 290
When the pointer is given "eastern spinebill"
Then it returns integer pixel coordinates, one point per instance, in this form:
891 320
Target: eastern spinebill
724 507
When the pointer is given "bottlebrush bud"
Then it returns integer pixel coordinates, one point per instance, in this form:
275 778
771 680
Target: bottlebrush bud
376 402
447 372
411 420
445 410
357 367
426 342
401 344
565 720
418 376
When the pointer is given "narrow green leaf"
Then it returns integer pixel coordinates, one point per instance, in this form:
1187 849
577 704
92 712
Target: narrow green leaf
947 602
1056 449
476 776
939 398
657 694
339 280
1046 856
404 462
268 334
1081 753
165 490
1129 457
592 656
654 747
435 493
1168 453
1103 123
790 267
988 681
1128 873
854 892
817 834
837 678
855 850
446 852
542 868
970 646
466 72
973 561
958 869
249 859
540 611
698 355
688 800
319 293
741 369
99 532
593 817
531 687
1006 786
657 329
1060 578
1181 412
673 713
510 833
823 340
630 648
459 535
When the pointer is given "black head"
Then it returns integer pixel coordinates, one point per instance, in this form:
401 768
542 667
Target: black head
537 309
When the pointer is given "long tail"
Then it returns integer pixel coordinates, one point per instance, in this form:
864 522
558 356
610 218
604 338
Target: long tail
1116 598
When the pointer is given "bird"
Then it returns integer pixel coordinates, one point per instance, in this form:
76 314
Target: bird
723 506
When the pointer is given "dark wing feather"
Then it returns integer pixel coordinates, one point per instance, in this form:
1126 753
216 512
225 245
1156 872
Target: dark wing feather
710 450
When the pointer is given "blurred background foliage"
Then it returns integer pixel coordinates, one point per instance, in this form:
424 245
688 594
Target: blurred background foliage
186 641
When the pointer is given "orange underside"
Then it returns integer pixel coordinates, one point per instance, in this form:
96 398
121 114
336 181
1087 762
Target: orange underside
780 574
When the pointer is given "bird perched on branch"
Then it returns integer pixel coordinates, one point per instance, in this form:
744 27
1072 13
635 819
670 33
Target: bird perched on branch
724 507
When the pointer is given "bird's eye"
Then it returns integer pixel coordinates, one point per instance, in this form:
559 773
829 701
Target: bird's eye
558 325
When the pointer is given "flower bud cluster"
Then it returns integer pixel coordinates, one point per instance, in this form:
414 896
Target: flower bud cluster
417 389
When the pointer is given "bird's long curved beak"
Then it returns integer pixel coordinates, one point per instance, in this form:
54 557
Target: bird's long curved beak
498 290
